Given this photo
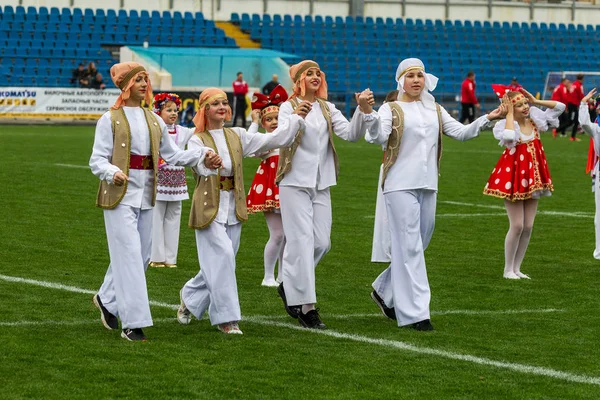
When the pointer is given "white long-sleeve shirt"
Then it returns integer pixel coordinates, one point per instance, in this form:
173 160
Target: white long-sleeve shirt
416 166
590 128
313 165
140 188
252 142
543 119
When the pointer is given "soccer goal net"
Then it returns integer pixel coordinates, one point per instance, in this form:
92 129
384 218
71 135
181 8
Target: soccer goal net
590 80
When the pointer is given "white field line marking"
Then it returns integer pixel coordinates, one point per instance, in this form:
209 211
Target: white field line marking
73 166
458 215
522 368
447 312
73 289
557 213
67 323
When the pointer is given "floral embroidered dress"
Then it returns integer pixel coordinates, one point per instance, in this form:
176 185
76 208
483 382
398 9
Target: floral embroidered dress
522 172
172 185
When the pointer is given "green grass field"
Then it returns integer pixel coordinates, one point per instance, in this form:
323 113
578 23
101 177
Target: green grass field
494 338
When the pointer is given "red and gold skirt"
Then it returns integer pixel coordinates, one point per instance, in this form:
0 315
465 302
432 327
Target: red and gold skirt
521 173
264 193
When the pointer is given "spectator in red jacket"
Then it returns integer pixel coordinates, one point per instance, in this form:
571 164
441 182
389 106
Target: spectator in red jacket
575 95
468 99
561 94
240 90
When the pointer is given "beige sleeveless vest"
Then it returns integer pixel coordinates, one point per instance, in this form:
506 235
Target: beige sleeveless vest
393 145
205 202
109 196
286 154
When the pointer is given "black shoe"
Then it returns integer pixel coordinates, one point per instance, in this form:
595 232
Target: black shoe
424 325
293 311
108 320
387 311
311 320
133 335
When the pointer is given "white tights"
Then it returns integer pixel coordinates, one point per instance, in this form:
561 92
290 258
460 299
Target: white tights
275 245
521 215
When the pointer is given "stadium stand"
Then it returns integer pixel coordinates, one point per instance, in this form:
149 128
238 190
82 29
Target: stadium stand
360 52
41 47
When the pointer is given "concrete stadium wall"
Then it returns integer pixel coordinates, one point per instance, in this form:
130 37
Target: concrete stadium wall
585 13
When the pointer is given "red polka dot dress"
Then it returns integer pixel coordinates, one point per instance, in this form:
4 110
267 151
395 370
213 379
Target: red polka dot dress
522 172
263 195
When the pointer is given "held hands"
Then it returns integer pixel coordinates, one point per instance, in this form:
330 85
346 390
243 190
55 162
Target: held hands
365 100
303 109
498 113
588 96
256 116
119 178
530 98
212 160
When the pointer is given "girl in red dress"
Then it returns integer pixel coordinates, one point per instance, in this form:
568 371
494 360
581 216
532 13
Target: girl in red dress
264 193
521 176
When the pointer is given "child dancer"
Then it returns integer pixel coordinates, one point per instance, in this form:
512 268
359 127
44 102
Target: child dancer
412 127
593 130
306 171
263 195
171 188
219 207
125 158
521 176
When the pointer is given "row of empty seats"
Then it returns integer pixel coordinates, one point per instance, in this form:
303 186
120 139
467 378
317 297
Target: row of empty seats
42 46
246 22
355 51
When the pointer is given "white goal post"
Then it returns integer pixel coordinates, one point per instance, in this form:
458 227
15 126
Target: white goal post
590 80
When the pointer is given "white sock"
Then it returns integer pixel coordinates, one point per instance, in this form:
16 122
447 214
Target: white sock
307 307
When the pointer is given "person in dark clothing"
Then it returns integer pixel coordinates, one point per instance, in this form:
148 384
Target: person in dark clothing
575 96
91 70
268 88
561 94
79 76
468 99
97 82
240 90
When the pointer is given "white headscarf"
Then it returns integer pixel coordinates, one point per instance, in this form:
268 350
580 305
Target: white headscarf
430 80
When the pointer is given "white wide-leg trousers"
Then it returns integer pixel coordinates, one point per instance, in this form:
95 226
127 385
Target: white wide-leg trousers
306 216
165 231
215 286
124 292
404 285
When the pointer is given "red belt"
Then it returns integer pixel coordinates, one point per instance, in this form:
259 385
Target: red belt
226 183
140 162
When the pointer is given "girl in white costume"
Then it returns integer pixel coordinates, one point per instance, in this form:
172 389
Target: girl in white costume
263 195
219 208
412 128
124 157
172 187
305 173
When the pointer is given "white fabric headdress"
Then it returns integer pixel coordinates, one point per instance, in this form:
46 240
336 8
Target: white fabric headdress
431 81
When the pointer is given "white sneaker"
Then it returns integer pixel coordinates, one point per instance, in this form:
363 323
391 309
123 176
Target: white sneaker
522 275
184 316
511 275
269 283
230 328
